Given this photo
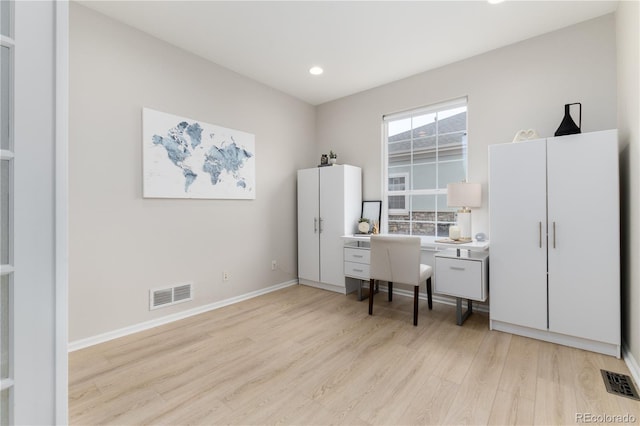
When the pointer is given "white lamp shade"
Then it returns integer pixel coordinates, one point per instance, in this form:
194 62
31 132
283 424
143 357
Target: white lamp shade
463 194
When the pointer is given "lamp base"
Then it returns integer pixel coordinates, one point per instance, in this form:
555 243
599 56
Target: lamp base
464 223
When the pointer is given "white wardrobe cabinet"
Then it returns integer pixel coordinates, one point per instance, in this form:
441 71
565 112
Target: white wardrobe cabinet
555 251
329 206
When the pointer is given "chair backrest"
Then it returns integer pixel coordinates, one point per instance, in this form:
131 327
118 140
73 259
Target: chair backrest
395 258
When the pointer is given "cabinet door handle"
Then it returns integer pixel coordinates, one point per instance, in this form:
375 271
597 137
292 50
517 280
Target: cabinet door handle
321 220
315 225
456 268
540 234
554 235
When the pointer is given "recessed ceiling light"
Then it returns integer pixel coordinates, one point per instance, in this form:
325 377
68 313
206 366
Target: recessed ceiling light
316 70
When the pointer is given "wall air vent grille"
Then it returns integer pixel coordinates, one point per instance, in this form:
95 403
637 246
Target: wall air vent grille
182 292
619 384
161 297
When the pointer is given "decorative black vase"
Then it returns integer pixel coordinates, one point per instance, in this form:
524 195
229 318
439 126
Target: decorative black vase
568 126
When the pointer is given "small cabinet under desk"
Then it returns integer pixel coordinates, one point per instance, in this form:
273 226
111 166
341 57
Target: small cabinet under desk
356 262
356 265
464 275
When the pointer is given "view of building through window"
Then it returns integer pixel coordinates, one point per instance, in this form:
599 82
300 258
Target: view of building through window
425 150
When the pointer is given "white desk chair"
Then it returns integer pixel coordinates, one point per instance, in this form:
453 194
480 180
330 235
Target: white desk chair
396 259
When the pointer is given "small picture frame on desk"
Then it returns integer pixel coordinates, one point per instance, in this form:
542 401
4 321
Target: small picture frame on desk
372 210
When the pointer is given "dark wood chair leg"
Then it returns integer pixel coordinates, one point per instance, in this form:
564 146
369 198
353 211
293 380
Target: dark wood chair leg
429 293
390 287
416 290
371 285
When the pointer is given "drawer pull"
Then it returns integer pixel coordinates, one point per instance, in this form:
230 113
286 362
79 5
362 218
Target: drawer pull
456 268
358 256
357 270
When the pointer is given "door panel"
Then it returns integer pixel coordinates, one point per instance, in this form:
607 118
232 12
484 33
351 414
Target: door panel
584 277
332 202
517 201
308 226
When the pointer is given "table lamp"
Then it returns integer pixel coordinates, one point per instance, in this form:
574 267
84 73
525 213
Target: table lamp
464 195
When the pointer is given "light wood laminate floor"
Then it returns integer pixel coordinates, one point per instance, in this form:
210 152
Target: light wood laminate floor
305 356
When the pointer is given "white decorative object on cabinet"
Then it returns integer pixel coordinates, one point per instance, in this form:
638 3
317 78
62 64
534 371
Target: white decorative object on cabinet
329 204
550 200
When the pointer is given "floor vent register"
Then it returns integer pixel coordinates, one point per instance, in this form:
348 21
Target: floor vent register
619 384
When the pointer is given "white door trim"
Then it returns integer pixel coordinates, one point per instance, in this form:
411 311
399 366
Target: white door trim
62 213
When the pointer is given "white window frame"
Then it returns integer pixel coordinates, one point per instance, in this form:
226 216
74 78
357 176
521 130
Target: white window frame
442 106
7 270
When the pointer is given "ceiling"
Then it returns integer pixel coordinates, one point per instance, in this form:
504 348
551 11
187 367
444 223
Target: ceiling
360 44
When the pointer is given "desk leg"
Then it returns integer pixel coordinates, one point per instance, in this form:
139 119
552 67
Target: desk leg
360 296
371 293
460 316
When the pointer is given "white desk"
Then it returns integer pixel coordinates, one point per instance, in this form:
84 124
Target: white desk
426 242
356 267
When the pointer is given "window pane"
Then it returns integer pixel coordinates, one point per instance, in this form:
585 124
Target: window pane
399 153
423 215
5 101
452 120
398 220
397 202
451 172
397 183
399 224
446 216
5 317
424 176
399 129
424 125
424 149
5 18
5 186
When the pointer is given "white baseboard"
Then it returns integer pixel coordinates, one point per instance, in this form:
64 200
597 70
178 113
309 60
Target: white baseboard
105 337
560 339
632 363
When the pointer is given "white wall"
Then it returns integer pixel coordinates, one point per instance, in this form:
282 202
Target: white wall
521 86
628 44
121 245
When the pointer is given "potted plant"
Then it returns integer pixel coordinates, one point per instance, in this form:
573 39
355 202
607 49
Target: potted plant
333 157
363 225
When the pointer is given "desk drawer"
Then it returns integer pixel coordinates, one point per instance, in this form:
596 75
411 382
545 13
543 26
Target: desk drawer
356 270
357 255
460 278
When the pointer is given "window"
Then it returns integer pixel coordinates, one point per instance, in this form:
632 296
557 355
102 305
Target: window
424 150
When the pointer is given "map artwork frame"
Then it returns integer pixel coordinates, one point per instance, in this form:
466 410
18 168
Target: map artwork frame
186 158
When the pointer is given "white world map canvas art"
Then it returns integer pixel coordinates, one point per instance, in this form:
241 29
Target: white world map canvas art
186 158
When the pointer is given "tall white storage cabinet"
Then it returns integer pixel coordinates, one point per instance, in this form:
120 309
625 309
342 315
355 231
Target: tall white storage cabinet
329 206
555 250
